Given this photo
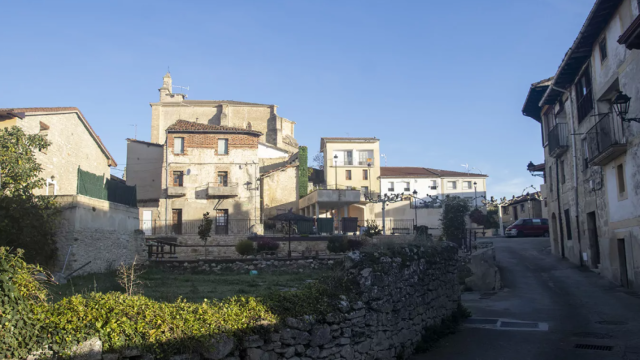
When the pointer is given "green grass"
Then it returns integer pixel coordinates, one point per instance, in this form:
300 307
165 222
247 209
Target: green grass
165 285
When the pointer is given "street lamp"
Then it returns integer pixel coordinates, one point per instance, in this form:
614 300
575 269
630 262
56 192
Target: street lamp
620 105
475 193
335 170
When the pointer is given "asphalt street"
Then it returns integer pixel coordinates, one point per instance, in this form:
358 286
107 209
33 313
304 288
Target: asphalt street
585 315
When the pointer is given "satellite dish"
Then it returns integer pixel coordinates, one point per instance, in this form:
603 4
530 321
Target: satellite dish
188 171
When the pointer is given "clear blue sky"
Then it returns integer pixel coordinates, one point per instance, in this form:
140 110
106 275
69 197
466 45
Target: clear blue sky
440 83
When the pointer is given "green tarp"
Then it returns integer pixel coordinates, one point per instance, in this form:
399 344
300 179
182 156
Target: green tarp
95 186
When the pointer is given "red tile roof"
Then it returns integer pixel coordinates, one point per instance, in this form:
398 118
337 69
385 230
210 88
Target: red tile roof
417 172
34 110
189 126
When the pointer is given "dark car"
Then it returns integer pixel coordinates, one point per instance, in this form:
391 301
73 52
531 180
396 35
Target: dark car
528 227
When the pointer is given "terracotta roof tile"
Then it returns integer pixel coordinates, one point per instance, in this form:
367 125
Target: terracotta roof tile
112 161
391 171
183 125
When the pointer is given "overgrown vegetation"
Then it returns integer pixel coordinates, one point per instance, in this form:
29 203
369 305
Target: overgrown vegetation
342 244
245 247
453 218
303 172
269 245
129 277
27 221
447 326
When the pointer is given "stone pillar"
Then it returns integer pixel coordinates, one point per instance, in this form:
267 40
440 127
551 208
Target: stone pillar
317 210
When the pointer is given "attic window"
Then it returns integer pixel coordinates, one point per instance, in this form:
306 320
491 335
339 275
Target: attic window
249 126
602 46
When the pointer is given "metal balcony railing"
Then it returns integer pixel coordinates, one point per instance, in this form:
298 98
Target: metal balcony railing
606 140
222 189
558 140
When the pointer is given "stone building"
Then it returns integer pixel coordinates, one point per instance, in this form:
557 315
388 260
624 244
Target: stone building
235 160
73 144
592 157
527 206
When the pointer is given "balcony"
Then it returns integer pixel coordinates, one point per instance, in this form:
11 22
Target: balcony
606 140
558 138
224 189
176 191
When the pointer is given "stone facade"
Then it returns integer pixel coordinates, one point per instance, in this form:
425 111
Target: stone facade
279 190
589 151
73 144
100 232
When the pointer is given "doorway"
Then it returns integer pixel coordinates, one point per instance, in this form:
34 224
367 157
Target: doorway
594 245
622 260
222 222
176 221
146 222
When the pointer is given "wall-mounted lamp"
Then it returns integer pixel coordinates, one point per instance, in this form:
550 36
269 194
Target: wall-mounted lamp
621 106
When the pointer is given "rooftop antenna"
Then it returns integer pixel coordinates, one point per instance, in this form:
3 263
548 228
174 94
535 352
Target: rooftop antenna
466 166
135 131
182 89
385 159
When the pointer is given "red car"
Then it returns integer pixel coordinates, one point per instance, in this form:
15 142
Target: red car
528 227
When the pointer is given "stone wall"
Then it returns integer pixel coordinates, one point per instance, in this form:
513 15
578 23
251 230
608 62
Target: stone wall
396 297
99 231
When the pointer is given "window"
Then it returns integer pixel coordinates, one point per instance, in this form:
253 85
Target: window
223 146
602 46
434 184
347 174
451 185
223 177
562 175
365 174
177 178
583 94
176 221
536 221
406 186
345 157
178 145
249 126
364 190
466 185
527 222
585 158
549 122
505 210
391 188
365 157
521 207
545 221
567 221
222 222
621 184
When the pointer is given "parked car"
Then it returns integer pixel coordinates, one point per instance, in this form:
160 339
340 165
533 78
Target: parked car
528 227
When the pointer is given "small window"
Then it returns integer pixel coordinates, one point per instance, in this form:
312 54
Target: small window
249 126
451 185
223 146
505 210
521 207
365 174
602 46
391 187
407 187
347 174
466 185
223 177
434 184
545 221
178 145
562 174
621 184
178 177
527 222
567 221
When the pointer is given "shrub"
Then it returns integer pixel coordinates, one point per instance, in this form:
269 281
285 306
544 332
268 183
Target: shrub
22 299
245 247
372 229
354 244
453 218
477 217
267 245
336 244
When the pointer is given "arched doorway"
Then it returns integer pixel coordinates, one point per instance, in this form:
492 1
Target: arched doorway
554 235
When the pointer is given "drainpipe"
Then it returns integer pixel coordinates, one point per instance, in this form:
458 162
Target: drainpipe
166 176
559 209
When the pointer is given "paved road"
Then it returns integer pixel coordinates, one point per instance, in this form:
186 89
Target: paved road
540 287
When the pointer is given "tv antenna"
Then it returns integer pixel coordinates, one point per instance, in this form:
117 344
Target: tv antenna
135 131
182 89
385 159
466 166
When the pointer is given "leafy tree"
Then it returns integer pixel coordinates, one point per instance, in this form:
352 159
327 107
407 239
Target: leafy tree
27 221
204 230
453 218
477 217
492 220
372 229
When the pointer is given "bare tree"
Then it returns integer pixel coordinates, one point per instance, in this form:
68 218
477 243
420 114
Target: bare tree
318 160
128 278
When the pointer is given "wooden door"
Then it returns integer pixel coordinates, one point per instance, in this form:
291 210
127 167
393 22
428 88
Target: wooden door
594 244
622 260
176 221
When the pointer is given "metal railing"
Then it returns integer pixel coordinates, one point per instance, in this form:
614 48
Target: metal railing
222 184
585 105
558 138
607 132
190 227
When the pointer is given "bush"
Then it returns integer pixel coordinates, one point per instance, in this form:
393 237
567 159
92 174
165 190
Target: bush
267 245
453 218
245 248
22 299
342 244
477 217
372 229
354 244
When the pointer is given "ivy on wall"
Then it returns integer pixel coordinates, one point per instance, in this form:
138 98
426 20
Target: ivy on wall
303 172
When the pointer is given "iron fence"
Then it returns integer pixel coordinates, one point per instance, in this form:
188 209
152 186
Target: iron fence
558 138
607 132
